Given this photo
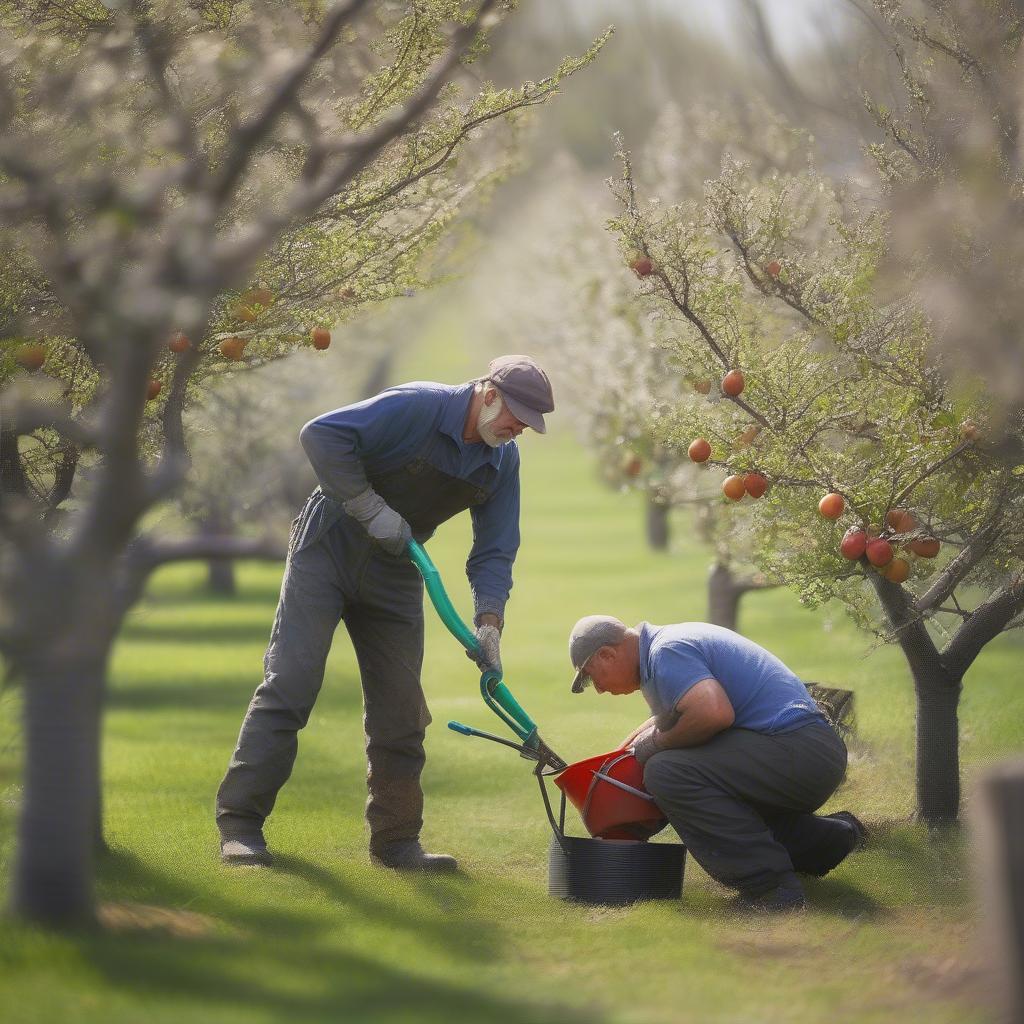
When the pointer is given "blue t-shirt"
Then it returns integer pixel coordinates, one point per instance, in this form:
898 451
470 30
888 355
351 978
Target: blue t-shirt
766 696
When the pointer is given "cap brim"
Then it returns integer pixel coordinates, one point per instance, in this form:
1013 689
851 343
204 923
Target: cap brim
524 413
580 681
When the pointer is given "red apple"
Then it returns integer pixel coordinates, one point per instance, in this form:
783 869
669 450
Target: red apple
853 543
321 338
179 342
879 552
733 383
832 505
699 450
702 387
926 547
152 389
773 268
755 484
641 265
734 488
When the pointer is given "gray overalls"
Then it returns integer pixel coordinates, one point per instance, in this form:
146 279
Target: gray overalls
335 572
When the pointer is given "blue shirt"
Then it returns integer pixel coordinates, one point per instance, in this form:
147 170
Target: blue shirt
766 696
387 431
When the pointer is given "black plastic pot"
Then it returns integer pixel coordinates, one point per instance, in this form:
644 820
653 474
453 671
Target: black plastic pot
613 872
610 872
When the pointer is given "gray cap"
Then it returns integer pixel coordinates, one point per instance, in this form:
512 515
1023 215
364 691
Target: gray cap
525 388
587 637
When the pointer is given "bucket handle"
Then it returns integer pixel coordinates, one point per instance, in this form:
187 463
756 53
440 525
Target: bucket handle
558 831
601 774
625 786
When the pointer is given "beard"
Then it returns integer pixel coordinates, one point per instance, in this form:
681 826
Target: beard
488 414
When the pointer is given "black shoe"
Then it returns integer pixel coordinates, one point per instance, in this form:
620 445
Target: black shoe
855 823
408 855
245 850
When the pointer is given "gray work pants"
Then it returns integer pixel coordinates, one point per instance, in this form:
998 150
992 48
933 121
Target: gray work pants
742 803
340 575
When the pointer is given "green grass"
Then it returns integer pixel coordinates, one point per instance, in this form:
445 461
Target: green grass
324 936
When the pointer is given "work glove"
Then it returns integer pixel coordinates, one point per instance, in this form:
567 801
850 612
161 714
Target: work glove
644 746
384 525
488 640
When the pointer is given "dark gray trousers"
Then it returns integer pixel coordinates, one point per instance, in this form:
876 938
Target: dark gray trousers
339 576
742 803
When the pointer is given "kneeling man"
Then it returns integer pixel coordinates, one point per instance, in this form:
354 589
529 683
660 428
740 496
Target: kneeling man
737 754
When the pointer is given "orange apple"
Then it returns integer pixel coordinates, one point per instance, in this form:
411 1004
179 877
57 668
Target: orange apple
699 450
900 520
321 338
734 488
733 383
898 570
702 387
926 547
31 356
233 348
832 505
748 436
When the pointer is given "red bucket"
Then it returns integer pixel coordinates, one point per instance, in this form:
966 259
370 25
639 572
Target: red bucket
610 811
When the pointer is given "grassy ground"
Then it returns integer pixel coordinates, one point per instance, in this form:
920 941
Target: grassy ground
324 936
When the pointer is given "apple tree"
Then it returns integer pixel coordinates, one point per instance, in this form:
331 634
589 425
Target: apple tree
184 188
770 280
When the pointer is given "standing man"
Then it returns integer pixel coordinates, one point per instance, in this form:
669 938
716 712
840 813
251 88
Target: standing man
737 754
391 469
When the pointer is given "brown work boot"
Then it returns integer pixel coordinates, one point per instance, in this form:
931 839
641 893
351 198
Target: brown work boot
408 855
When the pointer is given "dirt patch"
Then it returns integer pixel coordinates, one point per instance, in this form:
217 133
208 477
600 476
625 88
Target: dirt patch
141 917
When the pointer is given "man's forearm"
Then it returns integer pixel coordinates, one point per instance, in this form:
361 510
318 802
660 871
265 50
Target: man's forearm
692 730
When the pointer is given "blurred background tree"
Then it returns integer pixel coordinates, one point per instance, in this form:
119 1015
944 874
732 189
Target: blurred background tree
295 162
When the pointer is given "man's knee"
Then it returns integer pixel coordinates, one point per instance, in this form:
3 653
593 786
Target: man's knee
671 772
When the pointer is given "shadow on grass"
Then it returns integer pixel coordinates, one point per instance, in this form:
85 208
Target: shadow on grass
225 694
219 633
831 895
269 962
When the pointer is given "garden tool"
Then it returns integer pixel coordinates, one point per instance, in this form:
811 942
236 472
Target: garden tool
495 693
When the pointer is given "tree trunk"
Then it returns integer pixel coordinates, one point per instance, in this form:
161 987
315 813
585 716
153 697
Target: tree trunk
938 749
724 595
657 524
220 577
999 821
57 841
938 694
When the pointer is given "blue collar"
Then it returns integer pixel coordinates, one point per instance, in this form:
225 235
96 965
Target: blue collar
453 421
645 629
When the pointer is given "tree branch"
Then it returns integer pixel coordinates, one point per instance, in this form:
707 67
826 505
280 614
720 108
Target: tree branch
987 622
